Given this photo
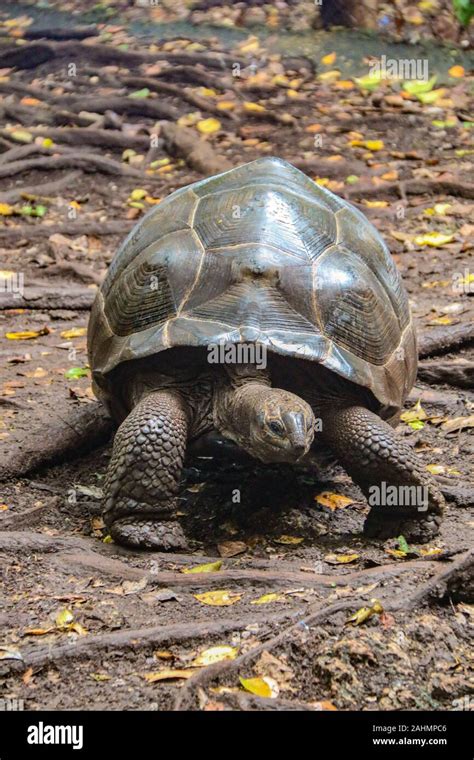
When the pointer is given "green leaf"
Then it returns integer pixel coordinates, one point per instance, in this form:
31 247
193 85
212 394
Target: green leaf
76 372
140 93
417 86
464 10
402 544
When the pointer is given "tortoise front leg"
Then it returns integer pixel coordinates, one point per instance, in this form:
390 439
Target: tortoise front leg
143 475
376 459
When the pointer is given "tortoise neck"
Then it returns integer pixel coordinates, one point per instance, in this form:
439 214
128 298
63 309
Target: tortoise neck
240 389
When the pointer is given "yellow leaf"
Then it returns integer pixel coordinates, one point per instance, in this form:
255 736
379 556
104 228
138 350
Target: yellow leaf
3 507
369 144
328 60
266 599
344 84
219 598
225 105
47 142
208 126
27 334
250 46
259 686
333 500
207 92
322 181
6 209
343 559
214 654
249 106
441 321
329 76
168 675
288 540
21 135
64 618
429 551
396 553
364 613
138 194
436 469
456 71
434 239
415 413
375 204
75 332
211 567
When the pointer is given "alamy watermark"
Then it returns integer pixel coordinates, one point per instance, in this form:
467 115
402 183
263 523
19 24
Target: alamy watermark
400 68
12 282
238 353
386 495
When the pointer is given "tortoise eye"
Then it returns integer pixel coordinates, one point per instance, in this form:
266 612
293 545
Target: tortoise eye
276 427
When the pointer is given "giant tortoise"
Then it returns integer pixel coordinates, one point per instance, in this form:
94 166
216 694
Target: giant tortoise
259 257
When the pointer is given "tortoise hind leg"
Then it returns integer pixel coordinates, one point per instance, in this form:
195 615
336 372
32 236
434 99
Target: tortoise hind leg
143 476
378 460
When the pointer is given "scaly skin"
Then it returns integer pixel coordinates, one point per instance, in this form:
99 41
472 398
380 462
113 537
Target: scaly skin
371 452
143 475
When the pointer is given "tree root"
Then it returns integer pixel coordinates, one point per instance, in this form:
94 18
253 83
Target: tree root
459 373
39 191
77 227
198 154
89 162
413 187
440 340
36 53
151 109
439 582
85 427
137 639
102 138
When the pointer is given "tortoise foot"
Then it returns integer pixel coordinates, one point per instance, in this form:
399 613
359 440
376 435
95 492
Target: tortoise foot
142 533
418 530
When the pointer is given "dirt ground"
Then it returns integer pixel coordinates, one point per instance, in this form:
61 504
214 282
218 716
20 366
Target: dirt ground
87 624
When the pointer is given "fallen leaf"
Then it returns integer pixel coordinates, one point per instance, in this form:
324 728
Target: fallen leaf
208 126
267 598
262 687
218 598
329 59
364 613
215 654
288 540
168 675
27 334
333 500
211 567
75 332
458 423
343 559
231 548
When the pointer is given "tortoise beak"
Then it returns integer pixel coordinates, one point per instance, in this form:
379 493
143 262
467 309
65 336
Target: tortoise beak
296 432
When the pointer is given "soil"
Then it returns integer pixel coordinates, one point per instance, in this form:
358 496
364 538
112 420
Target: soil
125 614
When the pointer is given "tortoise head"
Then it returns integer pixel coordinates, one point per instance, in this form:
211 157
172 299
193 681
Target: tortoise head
281 427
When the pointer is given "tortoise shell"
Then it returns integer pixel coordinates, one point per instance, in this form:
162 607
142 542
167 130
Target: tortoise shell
262 254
